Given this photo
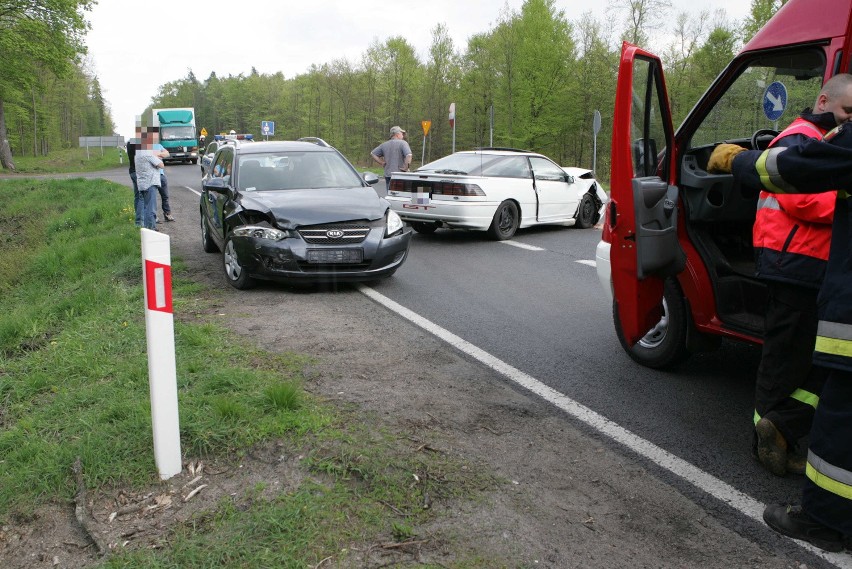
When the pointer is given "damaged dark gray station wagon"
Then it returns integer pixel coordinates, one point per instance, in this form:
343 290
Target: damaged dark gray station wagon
300 212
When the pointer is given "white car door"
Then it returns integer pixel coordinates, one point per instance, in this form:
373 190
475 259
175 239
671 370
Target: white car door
557 200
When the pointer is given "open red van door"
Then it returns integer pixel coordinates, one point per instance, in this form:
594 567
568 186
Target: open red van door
642 217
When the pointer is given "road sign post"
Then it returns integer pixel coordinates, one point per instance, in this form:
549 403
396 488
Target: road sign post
426 126
160 335
596 127
453 124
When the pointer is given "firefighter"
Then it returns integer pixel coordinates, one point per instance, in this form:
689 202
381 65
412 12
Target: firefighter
813 166
791 241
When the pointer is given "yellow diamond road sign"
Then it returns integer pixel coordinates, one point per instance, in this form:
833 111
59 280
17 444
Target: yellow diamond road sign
426 125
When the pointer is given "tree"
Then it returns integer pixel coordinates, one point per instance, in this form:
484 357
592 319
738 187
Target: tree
35 33
641 18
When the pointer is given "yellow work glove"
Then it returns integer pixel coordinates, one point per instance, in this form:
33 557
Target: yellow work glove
722 158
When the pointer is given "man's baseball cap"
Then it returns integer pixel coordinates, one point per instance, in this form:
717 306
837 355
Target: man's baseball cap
397 130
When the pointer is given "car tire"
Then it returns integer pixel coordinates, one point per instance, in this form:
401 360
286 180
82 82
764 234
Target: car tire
207 242
586 212
664 346
505 222
425 227
194 162
236 275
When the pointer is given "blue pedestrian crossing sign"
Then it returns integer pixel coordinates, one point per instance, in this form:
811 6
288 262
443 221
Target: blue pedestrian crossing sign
774 100
267 128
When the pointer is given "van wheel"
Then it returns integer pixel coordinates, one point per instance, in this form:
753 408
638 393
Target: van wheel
424 227
665 344
505 221
586 212
237 276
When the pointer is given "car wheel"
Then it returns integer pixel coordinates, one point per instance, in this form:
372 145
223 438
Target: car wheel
665 344
424 227
194 162
237 276
505 221
206 242
586 212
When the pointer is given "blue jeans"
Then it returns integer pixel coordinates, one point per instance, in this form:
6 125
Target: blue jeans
138 203
149 207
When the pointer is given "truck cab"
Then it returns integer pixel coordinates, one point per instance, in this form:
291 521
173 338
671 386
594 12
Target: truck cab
177 133
676 248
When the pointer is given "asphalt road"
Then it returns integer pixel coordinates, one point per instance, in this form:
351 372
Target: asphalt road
535 303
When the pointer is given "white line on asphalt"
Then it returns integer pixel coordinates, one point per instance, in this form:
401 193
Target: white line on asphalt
695 476
587 262
522 245
196 192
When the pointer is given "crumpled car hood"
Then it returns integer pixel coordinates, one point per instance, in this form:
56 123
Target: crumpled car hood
294 208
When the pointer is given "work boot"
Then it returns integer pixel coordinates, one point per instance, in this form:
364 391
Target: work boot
793 522
797 459
771 447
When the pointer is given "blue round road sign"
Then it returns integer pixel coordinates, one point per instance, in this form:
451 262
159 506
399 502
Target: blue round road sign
774 100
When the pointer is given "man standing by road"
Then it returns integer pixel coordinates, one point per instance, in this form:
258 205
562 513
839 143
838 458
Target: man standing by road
813 166
394 155
791 242
148 176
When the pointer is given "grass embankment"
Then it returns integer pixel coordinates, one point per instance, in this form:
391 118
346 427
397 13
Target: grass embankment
73 383
71 160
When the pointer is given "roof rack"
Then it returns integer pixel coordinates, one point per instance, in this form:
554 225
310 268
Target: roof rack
502 148
314 140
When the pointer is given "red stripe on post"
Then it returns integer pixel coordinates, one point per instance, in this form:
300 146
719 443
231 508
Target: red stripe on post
158 286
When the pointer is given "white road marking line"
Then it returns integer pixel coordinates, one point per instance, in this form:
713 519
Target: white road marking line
703 481
196 192
591 263
523 245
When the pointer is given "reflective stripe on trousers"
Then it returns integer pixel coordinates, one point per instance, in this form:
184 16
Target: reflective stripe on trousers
834 338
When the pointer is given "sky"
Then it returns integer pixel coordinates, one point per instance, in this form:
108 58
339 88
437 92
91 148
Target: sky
284 35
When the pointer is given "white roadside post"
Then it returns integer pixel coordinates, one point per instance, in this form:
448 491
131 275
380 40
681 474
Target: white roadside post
160 333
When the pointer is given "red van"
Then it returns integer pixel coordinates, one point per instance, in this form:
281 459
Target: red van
676 249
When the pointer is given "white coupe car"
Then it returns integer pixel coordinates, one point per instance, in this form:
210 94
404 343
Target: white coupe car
497 190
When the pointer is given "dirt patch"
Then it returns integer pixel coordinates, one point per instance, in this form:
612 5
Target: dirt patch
563 498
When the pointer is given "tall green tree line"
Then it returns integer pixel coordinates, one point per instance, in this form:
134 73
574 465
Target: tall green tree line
533 81
47 100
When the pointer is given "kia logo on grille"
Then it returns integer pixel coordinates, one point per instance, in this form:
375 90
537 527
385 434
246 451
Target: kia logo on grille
334 233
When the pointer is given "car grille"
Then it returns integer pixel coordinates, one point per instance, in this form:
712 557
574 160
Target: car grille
337 234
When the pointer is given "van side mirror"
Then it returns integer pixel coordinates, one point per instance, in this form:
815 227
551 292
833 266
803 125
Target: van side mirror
645 157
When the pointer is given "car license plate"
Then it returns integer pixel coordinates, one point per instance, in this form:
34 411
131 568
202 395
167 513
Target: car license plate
421 196
335 256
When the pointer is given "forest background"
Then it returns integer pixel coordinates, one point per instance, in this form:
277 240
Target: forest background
543 74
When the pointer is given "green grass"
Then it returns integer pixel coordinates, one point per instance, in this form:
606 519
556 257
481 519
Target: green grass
71 160
73 383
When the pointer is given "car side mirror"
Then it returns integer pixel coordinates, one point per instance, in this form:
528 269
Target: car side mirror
218 185
569 178
370 178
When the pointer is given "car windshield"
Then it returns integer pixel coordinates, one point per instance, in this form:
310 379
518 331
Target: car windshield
474 163
297 170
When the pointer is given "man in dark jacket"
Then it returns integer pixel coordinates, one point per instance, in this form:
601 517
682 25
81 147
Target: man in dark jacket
791 242
813 166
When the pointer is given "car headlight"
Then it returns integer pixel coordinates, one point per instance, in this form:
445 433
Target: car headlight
394 223
259 232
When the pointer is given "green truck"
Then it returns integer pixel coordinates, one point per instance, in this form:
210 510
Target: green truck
177 133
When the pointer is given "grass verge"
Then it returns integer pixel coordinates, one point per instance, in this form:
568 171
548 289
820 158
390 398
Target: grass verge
73 382
71 160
